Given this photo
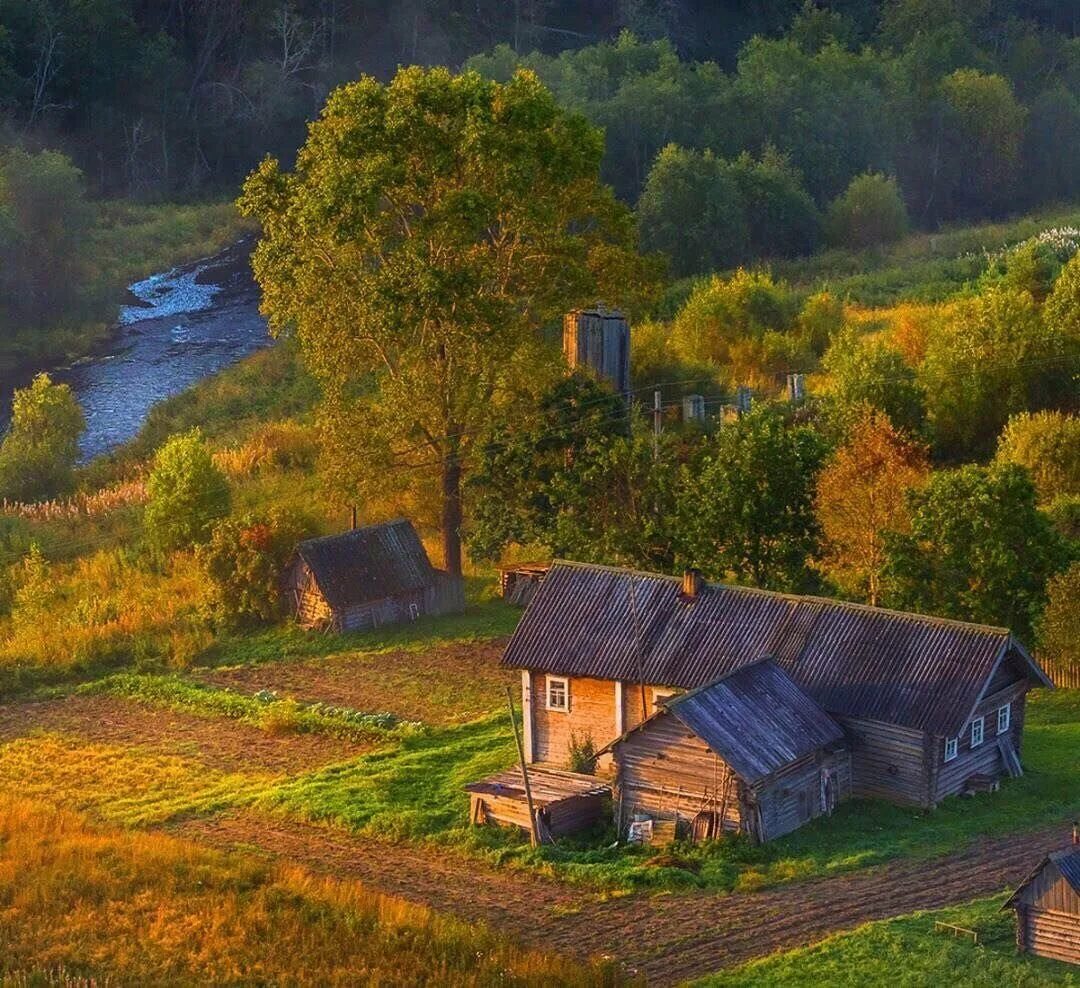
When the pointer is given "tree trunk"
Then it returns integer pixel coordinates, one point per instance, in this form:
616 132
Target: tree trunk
451 511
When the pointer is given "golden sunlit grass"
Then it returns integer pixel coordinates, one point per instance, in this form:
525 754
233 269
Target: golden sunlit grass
139 908
122 785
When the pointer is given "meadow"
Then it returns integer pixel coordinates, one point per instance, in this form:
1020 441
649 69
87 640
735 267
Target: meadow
909 953
85 901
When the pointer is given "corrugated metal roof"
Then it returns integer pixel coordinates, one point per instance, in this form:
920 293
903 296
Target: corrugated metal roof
756 719
1068 863
369 563
922 672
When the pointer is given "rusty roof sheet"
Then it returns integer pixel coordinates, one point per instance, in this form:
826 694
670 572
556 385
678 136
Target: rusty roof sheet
756 719
921 672
369 563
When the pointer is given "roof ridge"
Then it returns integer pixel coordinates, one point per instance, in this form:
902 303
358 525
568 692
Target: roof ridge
793 597
353 531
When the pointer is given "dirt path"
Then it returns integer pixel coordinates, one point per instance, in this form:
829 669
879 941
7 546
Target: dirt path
668 937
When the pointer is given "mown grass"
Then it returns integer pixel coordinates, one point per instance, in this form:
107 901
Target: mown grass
136 909
908 953
265 711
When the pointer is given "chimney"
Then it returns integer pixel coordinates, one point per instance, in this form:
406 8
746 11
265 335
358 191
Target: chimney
354 518
691 584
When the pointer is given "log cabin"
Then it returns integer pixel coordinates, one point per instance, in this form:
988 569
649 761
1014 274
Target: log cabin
928 707
750 753
366 578
1047 907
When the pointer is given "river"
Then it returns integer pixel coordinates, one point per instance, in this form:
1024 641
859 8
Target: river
176 328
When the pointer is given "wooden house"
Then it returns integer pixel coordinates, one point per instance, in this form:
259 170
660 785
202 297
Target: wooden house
750 752
1047 908
928 707
367 578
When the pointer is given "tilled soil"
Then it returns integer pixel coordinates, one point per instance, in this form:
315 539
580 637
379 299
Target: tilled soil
667 937
219 744
446 684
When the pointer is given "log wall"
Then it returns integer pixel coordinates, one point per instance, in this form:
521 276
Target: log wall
793 796
948 778
1049 933
591 714
668 772
888 761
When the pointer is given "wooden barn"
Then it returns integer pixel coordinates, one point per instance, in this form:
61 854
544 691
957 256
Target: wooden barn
928 707
367 578
518 583
1047 908
750 753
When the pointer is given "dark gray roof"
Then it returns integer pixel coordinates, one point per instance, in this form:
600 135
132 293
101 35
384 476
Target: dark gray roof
1068 864
369 563
921 672
756 719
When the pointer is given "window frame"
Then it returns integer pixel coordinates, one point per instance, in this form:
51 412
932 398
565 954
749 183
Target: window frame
952 749
979 722
548 682
1005 709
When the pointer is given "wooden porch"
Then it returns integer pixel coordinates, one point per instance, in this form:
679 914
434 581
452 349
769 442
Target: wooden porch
565 802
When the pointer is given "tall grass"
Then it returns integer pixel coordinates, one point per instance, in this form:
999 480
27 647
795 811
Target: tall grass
137 908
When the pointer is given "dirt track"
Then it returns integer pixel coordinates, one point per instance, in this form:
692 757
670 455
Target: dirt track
667 937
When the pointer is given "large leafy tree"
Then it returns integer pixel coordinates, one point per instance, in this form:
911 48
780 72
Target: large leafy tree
38 454
978 550
429 228
746 510
861 495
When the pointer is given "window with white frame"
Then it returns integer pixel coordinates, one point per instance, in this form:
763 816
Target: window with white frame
978 730
1004 718
951 746
558 693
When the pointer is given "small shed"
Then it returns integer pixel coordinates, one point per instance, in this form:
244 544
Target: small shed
565 802
367 578
517 584
750 752
1047 908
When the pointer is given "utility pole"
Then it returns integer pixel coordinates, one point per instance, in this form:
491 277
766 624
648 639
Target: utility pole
658 423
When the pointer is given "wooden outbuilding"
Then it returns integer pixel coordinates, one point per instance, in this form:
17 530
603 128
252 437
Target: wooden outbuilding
367 578
565 802
928 707
598 340
518 583
1047 908
750 753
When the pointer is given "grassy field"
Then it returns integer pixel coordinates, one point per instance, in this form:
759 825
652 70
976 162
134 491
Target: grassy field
908 953
82 901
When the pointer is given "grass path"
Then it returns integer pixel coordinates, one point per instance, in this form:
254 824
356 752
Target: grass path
668 937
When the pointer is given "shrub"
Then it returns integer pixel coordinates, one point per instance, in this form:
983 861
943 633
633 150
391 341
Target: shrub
280 717
869 212
243 562
38 454
581 754
187 494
